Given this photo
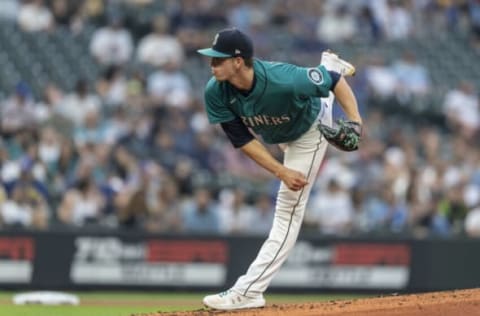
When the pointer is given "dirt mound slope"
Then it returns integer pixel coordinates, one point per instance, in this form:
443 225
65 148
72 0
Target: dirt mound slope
445 303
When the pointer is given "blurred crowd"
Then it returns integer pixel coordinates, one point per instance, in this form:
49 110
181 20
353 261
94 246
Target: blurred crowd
132 149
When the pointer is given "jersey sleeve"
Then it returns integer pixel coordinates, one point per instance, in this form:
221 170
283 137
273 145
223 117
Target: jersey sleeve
315 81
217 110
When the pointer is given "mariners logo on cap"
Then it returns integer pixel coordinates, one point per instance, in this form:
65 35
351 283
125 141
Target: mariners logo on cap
315 76
229 43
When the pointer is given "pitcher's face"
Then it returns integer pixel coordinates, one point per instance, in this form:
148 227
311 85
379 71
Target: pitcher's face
225 68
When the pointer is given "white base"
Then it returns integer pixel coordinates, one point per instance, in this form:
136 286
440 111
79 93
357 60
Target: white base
45 298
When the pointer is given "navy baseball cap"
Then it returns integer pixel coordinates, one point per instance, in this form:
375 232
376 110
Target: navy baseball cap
229 42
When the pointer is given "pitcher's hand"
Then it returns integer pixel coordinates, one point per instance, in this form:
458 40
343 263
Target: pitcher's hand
293 179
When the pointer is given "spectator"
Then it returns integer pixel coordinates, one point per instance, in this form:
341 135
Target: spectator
159 47
139 203
49 146
183 137
191 39
165 213
27 171
65 14
472 223
331 211
381 80
453 208
82 204
78 104
164 149
170 86
461 108
426 220
92 11
336 26
235 215
52 95
245 14
91 132
112 87
199 120
396 171
242 168
207 154
136 87
413 80
125 168
369 28
361 222
18 112
474 16
140 138
304 40
112 44
67 164
197 15
117 126
399 21
34 16
200 214
26 208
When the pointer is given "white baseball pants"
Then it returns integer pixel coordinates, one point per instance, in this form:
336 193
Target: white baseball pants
305 155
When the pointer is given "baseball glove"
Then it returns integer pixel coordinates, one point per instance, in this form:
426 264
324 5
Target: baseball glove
345 135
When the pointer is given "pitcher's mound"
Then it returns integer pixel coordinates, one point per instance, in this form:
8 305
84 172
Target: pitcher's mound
458 302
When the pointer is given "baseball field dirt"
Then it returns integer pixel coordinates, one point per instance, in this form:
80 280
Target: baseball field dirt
446 303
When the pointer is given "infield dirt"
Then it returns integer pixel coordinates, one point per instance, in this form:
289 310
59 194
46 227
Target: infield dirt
446 303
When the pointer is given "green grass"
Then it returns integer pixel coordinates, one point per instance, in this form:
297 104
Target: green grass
128 303
74 310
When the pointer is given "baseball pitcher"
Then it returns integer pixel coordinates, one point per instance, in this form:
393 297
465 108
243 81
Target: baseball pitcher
288 105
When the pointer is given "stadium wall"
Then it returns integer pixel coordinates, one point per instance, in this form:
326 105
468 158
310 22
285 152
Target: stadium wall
76 261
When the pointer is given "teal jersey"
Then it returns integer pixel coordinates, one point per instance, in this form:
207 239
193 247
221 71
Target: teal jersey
283 104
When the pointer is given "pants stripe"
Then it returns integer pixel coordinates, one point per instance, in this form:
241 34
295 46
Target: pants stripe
290 222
